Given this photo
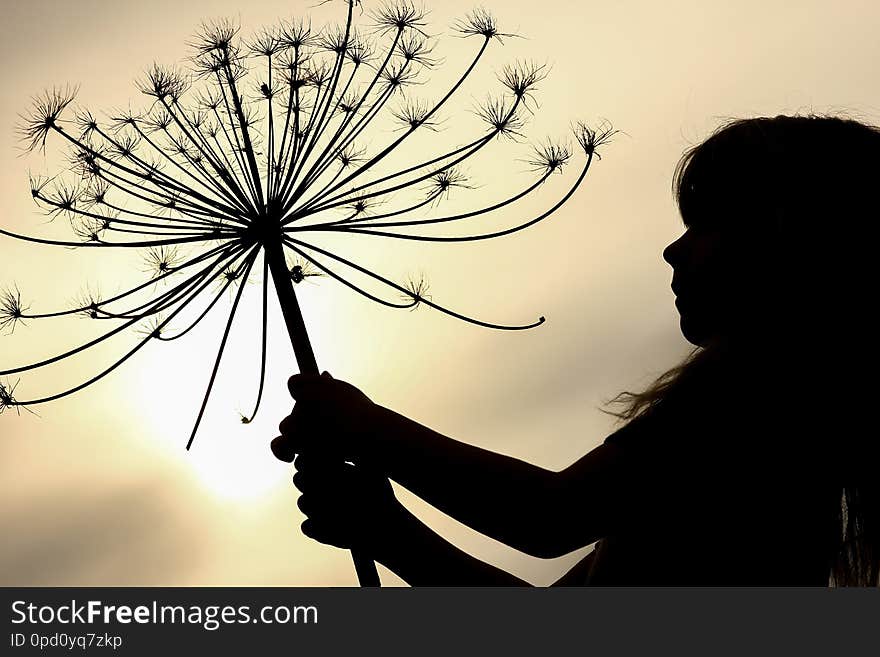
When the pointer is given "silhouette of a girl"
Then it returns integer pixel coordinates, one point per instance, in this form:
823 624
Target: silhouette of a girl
750 463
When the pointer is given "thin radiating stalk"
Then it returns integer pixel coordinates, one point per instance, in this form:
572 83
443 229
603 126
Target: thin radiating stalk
263 344
117 364
484 236
324 268
289 241
133 290
390 148
222 348
80 349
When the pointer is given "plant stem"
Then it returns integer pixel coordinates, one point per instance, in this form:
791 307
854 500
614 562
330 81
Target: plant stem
305 358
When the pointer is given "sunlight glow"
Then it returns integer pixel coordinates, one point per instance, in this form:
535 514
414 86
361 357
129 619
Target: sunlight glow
231 460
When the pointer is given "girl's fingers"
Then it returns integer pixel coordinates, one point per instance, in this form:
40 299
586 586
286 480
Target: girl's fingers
306 385
282 449
303 504
308 528
323 478
319 532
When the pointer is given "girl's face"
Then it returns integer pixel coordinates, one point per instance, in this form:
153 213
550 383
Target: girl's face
732 275
721 280
697 281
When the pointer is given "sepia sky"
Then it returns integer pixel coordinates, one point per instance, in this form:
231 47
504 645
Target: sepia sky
97 489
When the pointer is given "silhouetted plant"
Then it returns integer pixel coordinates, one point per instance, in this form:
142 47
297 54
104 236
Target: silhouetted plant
260 146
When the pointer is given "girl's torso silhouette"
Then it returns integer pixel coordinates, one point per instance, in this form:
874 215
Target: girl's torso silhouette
723 485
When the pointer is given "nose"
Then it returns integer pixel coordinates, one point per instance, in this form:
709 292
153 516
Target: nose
672 253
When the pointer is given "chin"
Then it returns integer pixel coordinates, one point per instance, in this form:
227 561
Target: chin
693 331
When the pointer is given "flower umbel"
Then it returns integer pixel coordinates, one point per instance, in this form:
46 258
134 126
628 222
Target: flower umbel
256 149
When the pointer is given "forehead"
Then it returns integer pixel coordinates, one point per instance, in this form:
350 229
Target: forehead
718 185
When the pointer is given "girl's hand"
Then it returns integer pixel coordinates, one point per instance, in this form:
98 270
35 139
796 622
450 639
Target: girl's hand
345 505
330 418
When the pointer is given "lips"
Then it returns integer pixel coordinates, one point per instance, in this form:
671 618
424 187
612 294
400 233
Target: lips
683 301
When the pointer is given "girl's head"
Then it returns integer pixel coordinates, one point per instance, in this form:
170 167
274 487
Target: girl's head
781 216
775 286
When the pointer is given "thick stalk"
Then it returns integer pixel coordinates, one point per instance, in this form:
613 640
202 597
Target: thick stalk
305 358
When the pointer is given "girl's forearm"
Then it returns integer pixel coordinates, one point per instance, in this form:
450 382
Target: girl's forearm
502 497
421 557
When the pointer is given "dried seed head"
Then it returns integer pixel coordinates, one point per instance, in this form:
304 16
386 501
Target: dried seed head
86 123
209 66
178 144
290 65
360 206
351 155
401 15
169 204
215 37
267 42
399 76
590 139
162 260
296 34
334 40
89 229
297 79
319 74
359 51
158 121
197 118
230 275
86 159
6 398
164 83
207 100
153 328
211 129
211 202
501 117
46 109
414 114
37 184
62 198
126 145
522 78
11 309
444 181
122 119
550 157
481 22
348 104
95 194
223 64
416 290
415 48
88 303
106 218
151 167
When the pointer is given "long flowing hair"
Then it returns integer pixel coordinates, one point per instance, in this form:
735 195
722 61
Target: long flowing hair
812 182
